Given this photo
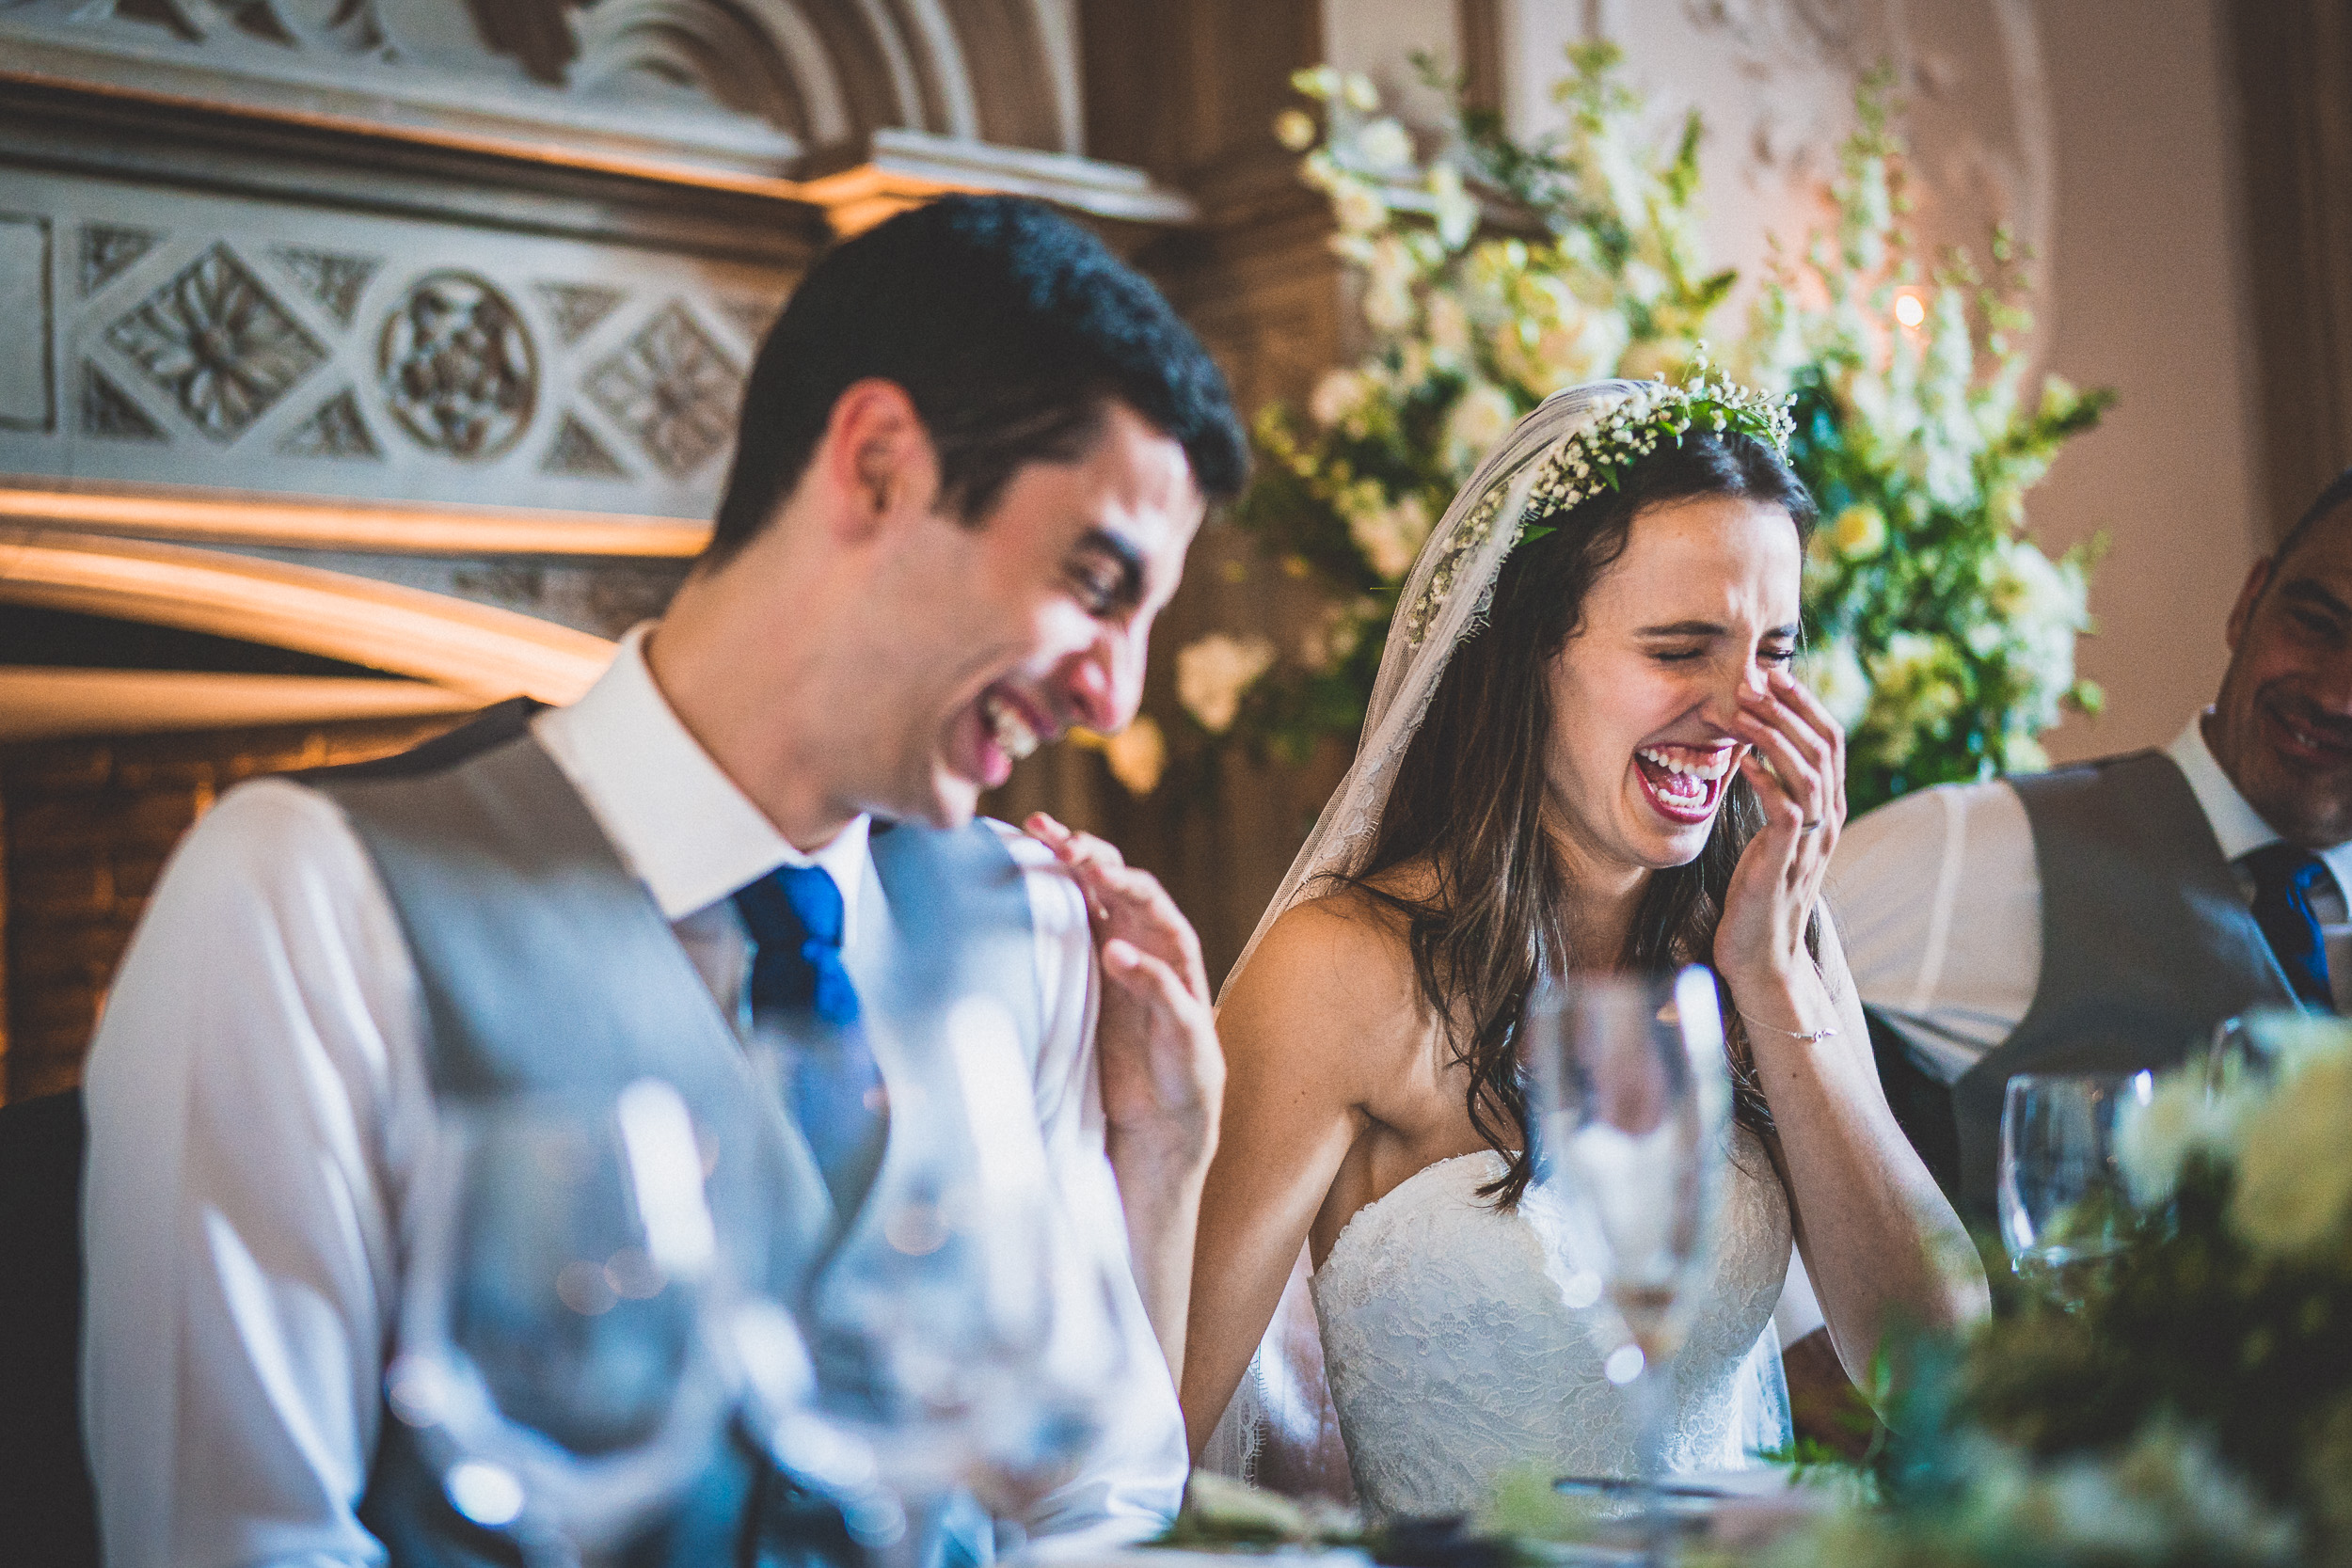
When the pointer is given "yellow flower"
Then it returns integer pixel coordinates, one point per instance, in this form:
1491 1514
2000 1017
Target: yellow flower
1860 532
1295 129
1361 94
1137 754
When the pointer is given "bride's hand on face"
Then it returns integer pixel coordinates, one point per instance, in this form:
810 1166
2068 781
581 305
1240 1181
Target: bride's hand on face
1760 943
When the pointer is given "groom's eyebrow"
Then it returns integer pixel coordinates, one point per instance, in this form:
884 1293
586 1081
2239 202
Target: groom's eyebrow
1128 591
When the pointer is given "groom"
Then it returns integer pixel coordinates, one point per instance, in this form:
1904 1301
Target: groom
974 451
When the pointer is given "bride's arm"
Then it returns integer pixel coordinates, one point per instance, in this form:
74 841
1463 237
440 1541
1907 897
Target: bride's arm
1297 1025
1878 1237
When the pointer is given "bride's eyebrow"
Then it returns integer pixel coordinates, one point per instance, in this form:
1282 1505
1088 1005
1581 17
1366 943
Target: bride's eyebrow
1705 628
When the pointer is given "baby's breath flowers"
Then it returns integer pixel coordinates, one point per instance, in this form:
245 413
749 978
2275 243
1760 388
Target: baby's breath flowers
1595 457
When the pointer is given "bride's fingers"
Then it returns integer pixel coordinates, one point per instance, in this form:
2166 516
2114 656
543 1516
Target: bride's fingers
1811 733
1796 773
1816 715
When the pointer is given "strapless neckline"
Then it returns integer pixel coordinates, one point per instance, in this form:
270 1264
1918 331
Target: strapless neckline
1453 1358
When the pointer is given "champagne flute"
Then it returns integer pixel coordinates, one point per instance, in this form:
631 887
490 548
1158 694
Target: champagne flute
1629 1109
2064 1206
558 1354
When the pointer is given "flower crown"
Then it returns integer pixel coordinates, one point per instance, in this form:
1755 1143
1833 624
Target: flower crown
1595 457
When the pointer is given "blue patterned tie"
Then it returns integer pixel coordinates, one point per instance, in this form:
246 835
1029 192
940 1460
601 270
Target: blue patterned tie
2283 878
794 918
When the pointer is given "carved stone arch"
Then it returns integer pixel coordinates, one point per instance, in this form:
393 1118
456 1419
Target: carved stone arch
715 50
1021 59
833 72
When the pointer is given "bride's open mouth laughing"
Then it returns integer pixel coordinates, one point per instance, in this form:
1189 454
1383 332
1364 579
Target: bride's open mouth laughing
1684 783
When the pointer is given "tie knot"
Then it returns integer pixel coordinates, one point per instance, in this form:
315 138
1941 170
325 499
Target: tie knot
794 917
790 904
2284 867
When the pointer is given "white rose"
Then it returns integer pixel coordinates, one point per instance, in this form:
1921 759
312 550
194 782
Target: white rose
1336 396
1361 94
2295 1155
1456 210
1391 537
1482 417
1214 673
2152 1139
1389 285
1137 754
1384 145
1833 670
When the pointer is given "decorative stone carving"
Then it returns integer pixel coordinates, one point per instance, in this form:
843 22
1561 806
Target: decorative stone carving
457 368
336 27
215 339
334 280
577 307
337 429
27 378
108 410
672 389
576 451
106 250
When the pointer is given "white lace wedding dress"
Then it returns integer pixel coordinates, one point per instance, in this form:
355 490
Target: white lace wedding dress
1452 1356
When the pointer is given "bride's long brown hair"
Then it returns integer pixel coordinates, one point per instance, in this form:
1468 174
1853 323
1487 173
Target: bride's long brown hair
1467 805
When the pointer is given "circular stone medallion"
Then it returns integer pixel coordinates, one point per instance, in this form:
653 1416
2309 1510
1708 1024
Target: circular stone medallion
457 368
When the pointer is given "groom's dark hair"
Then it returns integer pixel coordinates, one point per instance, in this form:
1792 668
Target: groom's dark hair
1011 329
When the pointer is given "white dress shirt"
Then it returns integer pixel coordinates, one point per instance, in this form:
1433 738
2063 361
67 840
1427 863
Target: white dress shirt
258 1107
1939 900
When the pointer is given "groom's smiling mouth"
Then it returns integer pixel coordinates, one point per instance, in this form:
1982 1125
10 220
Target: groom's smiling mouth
1012 728
1685 783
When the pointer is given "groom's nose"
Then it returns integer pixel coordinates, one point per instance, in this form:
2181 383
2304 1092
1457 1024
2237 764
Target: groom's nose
1103 685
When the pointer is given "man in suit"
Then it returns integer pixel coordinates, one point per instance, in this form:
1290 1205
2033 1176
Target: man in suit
973 451
2106 917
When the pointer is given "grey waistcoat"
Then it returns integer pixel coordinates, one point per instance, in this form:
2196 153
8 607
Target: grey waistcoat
2146 942
545 964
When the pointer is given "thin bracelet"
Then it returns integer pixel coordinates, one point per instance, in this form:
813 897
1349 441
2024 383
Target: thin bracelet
1811 1037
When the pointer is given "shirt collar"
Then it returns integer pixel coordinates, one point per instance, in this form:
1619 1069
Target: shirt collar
2239 827
690 834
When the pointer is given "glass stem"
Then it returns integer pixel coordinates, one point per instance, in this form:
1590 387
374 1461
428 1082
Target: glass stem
1651 1393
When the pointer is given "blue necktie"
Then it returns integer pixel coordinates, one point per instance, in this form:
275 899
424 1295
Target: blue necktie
794 918
2283 878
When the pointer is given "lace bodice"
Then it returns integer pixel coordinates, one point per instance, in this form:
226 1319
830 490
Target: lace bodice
1452 1357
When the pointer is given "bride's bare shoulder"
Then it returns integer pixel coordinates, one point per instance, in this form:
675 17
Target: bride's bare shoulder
1344 956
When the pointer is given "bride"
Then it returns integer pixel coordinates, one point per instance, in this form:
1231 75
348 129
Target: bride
1586 750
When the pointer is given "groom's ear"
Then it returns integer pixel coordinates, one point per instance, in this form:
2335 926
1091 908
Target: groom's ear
876 461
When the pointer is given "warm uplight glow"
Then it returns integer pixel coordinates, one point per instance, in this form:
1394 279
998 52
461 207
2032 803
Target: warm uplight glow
1908 309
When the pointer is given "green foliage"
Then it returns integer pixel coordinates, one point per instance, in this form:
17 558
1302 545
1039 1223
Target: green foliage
1494 272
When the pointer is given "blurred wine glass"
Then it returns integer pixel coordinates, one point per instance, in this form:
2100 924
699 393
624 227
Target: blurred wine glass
1630 1105
2063 1203
964 1336
562 1351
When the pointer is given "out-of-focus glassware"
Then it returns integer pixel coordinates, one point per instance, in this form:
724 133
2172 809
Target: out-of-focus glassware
1630 1108
965 1335
2064 1204
564 1348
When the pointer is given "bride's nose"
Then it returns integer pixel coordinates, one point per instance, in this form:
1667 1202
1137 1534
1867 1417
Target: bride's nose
1732 678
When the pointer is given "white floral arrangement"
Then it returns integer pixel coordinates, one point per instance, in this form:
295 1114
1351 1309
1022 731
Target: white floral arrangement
1493 272
2196 1405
